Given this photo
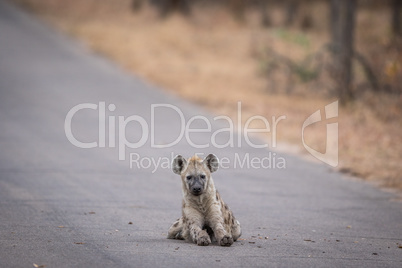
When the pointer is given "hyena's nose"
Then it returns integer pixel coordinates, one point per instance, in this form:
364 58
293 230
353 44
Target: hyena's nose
196 190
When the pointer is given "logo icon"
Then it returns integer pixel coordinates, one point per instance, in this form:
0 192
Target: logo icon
330 156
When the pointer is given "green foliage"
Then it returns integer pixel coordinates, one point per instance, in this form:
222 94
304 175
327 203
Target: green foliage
294 38
305 74
303 71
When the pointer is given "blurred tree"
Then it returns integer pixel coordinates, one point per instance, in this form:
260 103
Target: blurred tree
136 5
396 17
166 7
238 8
265 19
307 22
334 21
291 11
342 24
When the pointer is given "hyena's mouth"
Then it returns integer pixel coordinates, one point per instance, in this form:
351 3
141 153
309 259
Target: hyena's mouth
196 193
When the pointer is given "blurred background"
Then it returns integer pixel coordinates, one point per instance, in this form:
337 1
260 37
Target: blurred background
278 58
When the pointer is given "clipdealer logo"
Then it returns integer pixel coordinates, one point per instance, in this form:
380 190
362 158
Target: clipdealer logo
147 133
186 129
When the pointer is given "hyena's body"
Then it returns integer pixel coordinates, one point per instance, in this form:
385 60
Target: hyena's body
204 214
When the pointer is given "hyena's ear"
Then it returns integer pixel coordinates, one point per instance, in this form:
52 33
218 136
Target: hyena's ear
179 164
211 162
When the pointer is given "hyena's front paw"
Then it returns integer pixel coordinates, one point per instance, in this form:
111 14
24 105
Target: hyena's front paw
226 241
203 240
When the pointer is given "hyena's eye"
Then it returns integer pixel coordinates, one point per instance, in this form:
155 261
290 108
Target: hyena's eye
202 176
189 177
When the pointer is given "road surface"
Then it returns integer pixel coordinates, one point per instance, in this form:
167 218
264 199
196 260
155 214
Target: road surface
65 206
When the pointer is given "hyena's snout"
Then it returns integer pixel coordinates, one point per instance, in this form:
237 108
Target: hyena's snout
196 190
196 184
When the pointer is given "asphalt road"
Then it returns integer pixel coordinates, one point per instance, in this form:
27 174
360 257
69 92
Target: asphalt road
64 206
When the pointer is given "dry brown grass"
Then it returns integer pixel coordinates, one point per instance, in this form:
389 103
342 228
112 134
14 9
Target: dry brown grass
212 60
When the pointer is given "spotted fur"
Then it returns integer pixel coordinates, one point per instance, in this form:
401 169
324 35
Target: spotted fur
205 216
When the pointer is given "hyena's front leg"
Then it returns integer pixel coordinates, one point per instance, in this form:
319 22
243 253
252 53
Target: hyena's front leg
176 230
199 236
236 229
192 228
224 239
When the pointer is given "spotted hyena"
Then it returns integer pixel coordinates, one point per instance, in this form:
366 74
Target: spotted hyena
204 214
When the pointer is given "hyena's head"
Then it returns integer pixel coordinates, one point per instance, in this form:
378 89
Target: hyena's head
195 172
